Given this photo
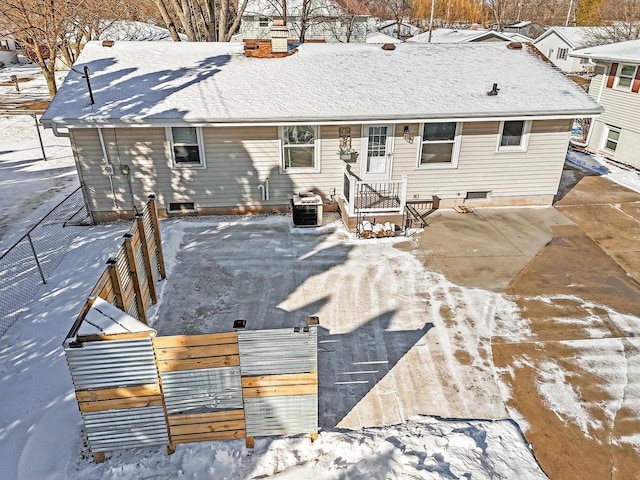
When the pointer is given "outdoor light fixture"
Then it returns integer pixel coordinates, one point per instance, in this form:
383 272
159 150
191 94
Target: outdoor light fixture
407 135
124 169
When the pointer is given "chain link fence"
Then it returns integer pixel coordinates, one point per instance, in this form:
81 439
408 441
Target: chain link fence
31 261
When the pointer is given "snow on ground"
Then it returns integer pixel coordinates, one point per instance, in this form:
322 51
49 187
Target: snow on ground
30 186
425 448
598 165
40 427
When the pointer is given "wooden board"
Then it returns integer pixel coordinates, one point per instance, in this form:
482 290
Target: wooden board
208 437
196 363
184 353
120 403
195 340
119 392
206 417
212 427
285 379
282 390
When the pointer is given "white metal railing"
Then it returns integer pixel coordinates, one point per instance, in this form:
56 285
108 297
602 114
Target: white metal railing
369 197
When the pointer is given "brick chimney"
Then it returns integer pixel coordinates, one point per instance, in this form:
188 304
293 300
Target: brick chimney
474 26
279 36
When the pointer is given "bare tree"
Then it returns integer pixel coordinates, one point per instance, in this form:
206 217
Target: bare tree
41 26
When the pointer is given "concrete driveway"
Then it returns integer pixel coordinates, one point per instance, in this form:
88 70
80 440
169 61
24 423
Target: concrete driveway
527 313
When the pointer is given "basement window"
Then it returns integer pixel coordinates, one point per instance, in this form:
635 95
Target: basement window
477 195
181 207
186 146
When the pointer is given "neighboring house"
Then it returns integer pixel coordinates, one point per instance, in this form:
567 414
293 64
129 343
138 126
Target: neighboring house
320 20
558 43
7 43
391 27
447 35
525 27
616 86
209 129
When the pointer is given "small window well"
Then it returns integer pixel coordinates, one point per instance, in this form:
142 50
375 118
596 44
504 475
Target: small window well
477 195
182 207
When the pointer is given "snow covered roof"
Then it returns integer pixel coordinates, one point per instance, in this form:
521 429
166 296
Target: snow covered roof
616 52
448 35
128 30
105 319
576 37
379 37
174 83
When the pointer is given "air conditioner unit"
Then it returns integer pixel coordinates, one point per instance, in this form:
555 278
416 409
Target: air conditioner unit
306 209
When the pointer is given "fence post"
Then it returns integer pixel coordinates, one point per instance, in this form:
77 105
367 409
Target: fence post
35 255
153 210
133 273
147 258
116 282
353 185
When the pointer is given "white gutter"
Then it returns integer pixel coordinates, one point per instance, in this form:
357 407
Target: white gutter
349 121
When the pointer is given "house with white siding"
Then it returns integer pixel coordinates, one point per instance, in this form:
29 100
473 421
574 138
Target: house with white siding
214 128
463 35
616 86
558 43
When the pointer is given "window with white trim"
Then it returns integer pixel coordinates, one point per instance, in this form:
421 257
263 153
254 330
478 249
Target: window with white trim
299 151
263 21
626 74
186 146
562 53
438 144
612 139
514 135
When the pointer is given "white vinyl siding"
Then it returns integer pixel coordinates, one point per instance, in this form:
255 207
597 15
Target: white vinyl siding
535 172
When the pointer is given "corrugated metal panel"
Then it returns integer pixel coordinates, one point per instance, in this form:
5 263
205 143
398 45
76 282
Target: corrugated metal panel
122 264
140 265
281 415
130 428
155 267
264 352
133 309
112 363
204 388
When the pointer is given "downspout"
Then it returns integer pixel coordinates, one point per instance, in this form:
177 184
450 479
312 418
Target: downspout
54 129
108 166
591 125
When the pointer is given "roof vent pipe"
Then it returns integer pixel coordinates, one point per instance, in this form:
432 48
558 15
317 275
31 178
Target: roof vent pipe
514 46
388 46
494 90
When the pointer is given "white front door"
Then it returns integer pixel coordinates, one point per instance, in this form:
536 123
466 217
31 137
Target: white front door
378 150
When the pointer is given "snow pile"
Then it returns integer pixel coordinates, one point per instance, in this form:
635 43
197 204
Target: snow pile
586 162
424 447
598 165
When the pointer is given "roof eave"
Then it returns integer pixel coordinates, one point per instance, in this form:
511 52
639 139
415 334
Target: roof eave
479 116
